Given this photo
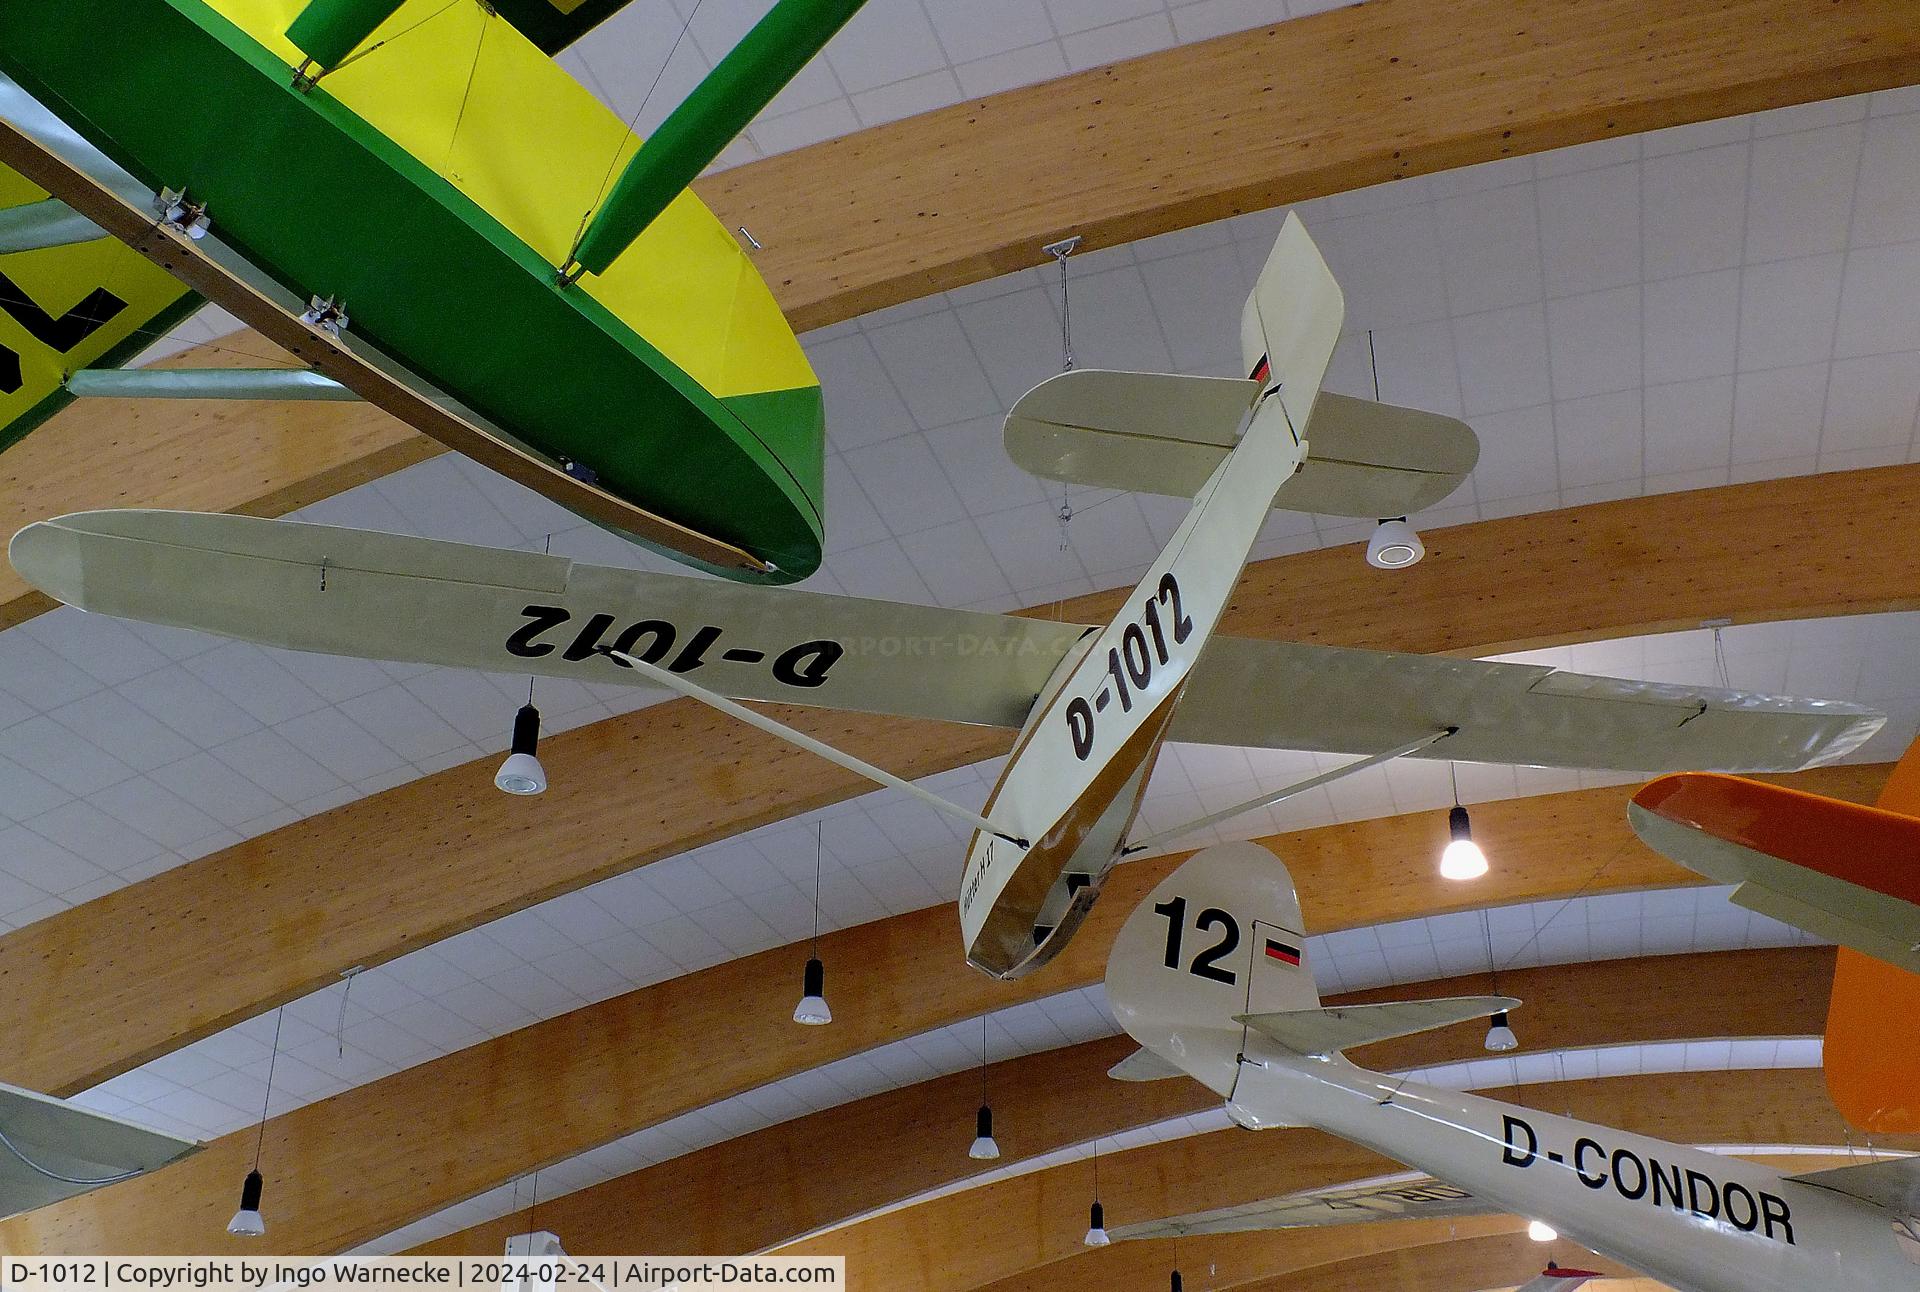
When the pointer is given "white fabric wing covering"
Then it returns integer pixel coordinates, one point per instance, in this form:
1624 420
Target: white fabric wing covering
387 596
1401 1198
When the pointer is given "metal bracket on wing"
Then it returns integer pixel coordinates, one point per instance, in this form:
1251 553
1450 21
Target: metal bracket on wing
694 691
1287 792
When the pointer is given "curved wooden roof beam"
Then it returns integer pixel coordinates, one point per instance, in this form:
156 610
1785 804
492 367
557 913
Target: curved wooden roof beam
405 868
1196 133
431 1135
1037 1219
842 1162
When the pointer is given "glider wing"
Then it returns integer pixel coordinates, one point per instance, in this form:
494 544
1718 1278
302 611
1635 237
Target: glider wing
1839 870
388 596
1891 1183
43 1139
1399 1198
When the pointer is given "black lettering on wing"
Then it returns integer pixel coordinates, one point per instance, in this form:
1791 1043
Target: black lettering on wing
539 618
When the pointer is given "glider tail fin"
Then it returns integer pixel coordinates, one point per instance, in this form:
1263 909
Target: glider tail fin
1215 959
1218 938
1284 321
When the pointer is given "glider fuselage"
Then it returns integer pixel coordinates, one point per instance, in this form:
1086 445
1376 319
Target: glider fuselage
1697 1220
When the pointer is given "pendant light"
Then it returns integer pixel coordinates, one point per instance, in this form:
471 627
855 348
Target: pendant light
812 1009
247 1221
984 1147
1097 1214
1500 1037
1462 858
522 773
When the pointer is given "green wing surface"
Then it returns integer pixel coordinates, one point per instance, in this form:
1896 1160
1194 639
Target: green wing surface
431 184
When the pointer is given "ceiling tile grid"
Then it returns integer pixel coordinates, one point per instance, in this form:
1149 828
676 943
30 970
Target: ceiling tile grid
125 749
1699 306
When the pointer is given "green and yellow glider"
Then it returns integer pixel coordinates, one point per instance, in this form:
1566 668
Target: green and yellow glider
493 238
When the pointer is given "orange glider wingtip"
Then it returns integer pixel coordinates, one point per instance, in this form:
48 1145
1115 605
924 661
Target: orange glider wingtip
1872 1057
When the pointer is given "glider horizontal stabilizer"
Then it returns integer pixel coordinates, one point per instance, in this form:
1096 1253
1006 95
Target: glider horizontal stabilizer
393 597
1164 433
1403 1197
1329 1030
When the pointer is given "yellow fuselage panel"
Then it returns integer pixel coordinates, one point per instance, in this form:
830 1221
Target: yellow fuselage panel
474 101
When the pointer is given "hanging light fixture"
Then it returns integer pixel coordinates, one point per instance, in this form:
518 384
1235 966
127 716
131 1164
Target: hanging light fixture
247 1221
1500 1037
1541 1232
1174 1283
984 1147
522 772
812 1009
1462 858
1097 1214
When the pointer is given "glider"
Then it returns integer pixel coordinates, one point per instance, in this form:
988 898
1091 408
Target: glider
1093 704
1841 871
433 216
1193 977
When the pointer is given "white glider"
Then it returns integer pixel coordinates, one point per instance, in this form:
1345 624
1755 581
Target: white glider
1093 703
1210 974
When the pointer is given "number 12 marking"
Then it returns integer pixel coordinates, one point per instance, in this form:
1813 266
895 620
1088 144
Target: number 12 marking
1206 964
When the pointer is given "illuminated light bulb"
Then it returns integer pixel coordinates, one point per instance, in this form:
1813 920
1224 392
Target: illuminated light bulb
1462 858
